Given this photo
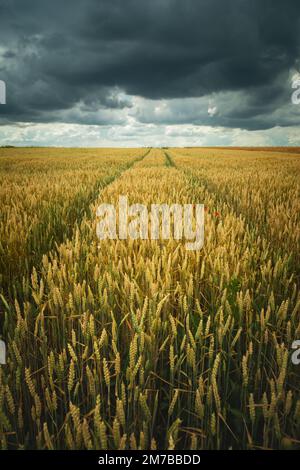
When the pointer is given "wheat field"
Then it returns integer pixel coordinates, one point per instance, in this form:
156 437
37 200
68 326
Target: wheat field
130 344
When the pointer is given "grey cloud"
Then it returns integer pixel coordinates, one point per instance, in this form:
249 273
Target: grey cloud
74 61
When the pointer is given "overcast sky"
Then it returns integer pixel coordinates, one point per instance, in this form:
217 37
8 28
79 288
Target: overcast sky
149 72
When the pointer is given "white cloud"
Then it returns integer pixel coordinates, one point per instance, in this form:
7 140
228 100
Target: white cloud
133 133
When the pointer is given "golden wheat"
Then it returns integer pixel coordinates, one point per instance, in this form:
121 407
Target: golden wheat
140 344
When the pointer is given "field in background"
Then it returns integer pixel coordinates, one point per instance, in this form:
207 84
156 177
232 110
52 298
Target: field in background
142 344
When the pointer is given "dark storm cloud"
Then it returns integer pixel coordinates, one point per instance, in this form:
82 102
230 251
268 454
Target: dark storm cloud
67 61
